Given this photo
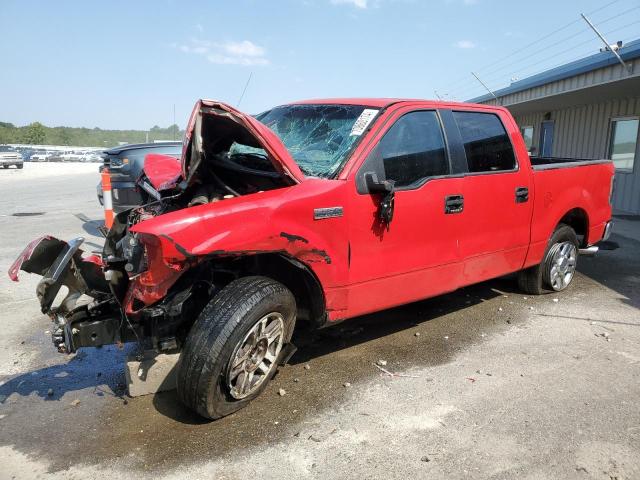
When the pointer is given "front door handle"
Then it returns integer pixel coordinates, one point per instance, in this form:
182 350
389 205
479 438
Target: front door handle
453 204
522 194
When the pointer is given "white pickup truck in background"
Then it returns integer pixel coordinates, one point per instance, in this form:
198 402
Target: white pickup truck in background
9 156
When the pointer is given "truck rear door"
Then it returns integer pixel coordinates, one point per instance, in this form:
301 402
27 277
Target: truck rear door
497 194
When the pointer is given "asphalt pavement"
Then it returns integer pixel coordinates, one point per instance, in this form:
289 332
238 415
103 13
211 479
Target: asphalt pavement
485 382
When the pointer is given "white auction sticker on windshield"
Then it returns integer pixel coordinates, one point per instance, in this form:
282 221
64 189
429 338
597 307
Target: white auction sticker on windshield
363 121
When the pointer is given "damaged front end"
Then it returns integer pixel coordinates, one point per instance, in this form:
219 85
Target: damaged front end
113 298
88 313
135 290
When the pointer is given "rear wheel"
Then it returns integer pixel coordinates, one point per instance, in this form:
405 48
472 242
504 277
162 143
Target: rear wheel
558 266
234 347
20 165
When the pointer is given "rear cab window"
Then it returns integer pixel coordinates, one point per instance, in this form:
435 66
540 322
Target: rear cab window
486 143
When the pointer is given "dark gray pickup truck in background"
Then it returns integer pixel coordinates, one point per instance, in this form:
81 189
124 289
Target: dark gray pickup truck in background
125 165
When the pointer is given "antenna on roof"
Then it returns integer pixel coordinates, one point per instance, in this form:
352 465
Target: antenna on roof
436 92
606 44
488 89
245 89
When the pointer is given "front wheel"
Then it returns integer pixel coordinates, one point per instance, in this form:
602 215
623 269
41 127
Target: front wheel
234 347
558 266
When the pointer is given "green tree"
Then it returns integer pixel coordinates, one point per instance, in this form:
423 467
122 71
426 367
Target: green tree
34 134
65 136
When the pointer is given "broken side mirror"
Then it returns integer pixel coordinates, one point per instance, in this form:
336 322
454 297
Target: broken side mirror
386 188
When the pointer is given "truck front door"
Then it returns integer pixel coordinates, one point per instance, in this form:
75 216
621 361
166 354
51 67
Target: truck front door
415 255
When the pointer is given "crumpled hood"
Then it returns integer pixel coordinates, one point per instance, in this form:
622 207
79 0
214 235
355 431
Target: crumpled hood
253 131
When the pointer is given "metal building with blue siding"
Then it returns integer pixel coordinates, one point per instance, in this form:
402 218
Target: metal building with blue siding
589 108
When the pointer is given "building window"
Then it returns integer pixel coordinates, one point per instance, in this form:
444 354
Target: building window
624 142
486 142
527 134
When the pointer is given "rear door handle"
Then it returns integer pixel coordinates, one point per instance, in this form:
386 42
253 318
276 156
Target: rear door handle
453 204
522 194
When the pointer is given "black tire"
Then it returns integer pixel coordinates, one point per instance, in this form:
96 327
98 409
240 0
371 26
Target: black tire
224 322
533 280
20 165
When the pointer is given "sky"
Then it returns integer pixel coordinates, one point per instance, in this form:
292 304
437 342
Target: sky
125 64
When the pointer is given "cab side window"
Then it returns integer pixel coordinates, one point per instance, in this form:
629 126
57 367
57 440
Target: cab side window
486 142
413 149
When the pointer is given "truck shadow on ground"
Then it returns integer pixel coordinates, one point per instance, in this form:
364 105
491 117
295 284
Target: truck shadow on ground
99 369
453 316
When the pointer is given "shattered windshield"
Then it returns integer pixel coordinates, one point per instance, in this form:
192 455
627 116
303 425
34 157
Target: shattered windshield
318 137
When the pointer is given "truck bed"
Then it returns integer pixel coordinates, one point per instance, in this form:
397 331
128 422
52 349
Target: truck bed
547 163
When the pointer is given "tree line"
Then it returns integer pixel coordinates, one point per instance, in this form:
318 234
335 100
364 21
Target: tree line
38 134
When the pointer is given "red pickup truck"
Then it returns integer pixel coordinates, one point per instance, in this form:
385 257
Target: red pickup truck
319 211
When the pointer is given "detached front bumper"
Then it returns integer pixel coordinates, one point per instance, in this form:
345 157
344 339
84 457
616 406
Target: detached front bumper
88 315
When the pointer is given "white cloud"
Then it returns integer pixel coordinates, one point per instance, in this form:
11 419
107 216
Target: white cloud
244 49
355 3
245 52
464 44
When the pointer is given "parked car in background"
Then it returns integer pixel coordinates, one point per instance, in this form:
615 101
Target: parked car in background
125 166
40 156
72 156
92 157
319 211
26 153
10 156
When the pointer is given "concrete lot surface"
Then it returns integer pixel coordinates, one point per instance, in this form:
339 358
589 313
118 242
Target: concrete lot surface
491 383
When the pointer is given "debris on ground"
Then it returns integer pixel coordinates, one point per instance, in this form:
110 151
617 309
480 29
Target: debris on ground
296 380
75 403
314 439
556 300
500 309
282 392
471 379
425 459
346 384
604 335
307 367
393 374
446 337
382 363
417 334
